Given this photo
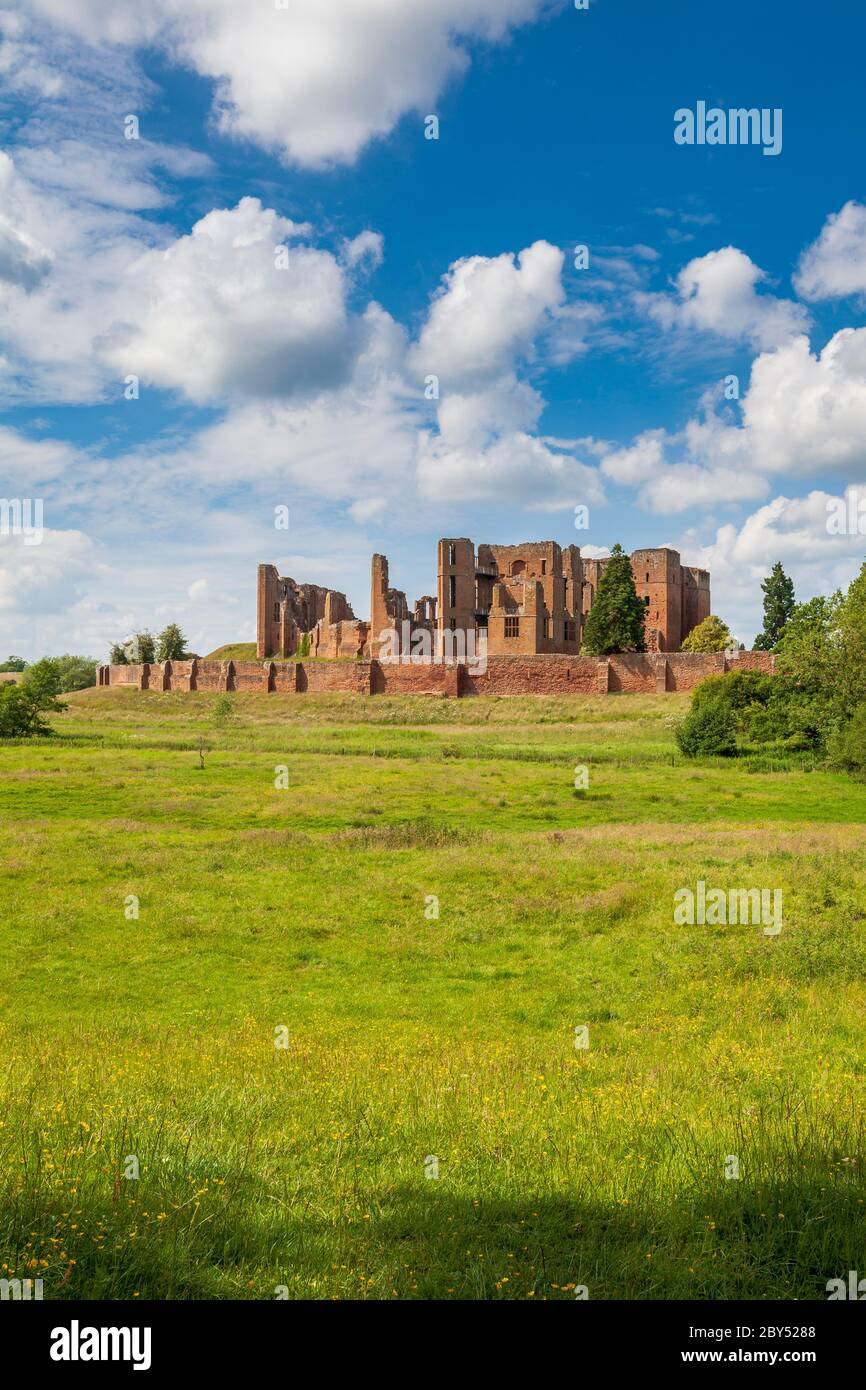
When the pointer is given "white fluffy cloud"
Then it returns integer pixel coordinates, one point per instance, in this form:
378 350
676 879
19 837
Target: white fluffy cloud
42 579
24 262
793 530
244 308
518 467
485 322
718 293
704 465
26 465
805 412
633 465
233 308
683 485
74 237
489 312
835 264
314 79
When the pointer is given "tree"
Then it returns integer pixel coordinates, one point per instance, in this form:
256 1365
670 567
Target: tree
22 710
13 663
117 654
140 647
59 674
848 745
712 635
170 644
779 604
616 618
145 645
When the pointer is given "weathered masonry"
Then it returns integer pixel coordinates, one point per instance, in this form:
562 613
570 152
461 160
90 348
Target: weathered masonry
530 599
648 673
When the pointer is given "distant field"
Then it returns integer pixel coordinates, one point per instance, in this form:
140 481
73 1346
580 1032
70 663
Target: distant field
413 1038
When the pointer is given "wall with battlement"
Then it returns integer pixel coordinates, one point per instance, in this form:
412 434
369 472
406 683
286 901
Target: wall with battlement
646 674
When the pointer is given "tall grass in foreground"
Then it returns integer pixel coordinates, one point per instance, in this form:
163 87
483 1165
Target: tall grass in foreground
410 1039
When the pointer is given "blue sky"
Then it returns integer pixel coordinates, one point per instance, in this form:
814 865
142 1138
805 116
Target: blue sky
304 385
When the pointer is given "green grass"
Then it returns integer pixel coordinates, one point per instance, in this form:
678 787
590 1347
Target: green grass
411 1036
246 651
233 651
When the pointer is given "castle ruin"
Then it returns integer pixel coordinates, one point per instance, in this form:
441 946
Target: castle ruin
512 600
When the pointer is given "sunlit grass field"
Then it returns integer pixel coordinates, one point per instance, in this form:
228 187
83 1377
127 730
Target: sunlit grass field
305 915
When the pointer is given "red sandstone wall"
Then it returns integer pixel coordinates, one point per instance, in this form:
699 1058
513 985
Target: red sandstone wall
285 677
125 675
753 661
533 675
182 675
251 675
211 675
644 673
637 675
688 669
413 678
351 676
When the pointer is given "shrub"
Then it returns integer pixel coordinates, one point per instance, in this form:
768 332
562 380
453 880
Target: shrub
223 709
737 690
707 731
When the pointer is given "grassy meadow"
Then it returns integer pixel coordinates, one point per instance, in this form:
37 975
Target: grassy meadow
304 915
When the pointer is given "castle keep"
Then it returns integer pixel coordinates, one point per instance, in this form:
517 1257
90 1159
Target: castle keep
514 600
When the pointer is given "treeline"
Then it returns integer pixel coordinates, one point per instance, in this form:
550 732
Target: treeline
168 645
26 704
816 701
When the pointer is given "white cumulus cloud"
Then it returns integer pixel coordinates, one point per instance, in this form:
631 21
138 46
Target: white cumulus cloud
719 293
835 264
234 308
315 79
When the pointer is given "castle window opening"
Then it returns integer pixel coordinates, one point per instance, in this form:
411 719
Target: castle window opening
452 591
452 554
276 612
512 627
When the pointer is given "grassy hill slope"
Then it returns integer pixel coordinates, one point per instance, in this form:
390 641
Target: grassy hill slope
233 651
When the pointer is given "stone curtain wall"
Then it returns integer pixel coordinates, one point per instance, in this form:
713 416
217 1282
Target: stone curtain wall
644 674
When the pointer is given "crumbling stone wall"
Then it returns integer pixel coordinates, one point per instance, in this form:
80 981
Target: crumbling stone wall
285 610
545 674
